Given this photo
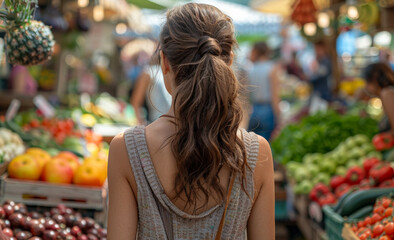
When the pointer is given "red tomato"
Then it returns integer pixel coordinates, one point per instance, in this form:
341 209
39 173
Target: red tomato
379 210
361 224
375 218
363 236
388 212
389 228
386 202
361 230
385 238
354 229
368 221
377 230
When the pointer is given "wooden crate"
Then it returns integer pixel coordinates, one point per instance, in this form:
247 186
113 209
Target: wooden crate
348 234
36 193
3 168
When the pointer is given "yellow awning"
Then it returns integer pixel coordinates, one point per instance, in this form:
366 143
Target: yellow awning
282 7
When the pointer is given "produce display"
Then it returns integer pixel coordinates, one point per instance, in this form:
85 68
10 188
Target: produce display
379 224
320 133
28 42
58 223
340 162
64 168
11 145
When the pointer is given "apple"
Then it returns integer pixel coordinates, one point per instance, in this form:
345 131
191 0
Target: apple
71 158
40 155
57 170
101 163
24 167
89 174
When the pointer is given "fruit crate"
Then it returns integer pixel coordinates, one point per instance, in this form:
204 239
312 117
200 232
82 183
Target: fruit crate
3 168
333 223
36 193
348 234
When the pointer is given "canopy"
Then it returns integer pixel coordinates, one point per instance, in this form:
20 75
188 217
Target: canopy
282 7
246 20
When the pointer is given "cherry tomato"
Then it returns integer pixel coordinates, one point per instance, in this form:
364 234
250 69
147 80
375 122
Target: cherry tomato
388 212
361 224
354 229
363 236
386 202
385 238
379 210
368 221
389 228
375 218
377 230
361 230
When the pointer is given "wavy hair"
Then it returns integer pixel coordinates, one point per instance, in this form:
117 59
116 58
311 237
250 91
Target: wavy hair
198 40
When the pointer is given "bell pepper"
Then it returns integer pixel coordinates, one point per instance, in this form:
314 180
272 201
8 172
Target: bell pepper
389 183
383 141
370 163
336 181
327 199
381 172
354 175
342 190
318 191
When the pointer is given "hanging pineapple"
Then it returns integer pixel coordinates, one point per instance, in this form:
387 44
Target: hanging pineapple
28 42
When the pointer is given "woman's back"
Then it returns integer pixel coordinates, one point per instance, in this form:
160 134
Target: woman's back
176 178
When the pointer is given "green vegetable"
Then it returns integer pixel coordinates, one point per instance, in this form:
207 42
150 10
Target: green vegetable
361 213
320 133
360 199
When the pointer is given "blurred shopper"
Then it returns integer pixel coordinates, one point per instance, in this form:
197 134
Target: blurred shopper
321 73
263 79
380 83
150 88
193 174
22 81
294 68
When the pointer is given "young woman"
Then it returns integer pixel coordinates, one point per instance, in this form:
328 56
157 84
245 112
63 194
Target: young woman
264 82
192 174
380 83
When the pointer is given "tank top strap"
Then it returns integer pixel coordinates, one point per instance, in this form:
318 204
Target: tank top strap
134 158
251 142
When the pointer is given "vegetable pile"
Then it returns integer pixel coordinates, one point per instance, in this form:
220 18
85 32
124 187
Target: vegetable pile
318 168
11 145
379 225
319 133
374 173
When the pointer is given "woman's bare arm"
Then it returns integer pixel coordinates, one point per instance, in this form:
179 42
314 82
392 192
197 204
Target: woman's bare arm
275 94
139 93
122 213
387 96
261 223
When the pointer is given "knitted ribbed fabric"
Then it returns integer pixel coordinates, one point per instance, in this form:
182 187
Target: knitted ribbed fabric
186 226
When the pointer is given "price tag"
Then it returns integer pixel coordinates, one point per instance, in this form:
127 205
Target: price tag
44 106
12 109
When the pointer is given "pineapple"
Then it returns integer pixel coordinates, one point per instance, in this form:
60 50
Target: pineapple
28 42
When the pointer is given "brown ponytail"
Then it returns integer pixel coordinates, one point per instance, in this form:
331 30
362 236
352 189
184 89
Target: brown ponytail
198 40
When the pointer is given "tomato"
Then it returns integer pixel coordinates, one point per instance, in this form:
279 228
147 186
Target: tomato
377 230
388 212
375 218
389 228
361 230
386 202
385 238
34 123
379 210
361 224
368 221
363 236
354 229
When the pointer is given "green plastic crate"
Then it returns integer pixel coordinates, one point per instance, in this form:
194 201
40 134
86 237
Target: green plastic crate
334 223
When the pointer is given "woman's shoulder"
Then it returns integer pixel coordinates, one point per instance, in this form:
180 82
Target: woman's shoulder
387 94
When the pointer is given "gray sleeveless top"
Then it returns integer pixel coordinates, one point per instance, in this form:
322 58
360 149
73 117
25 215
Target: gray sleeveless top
186 226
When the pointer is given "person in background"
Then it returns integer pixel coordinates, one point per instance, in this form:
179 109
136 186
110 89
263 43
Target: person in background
193 173
321 73
294 68
22 82
263 79
380 83
150 88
